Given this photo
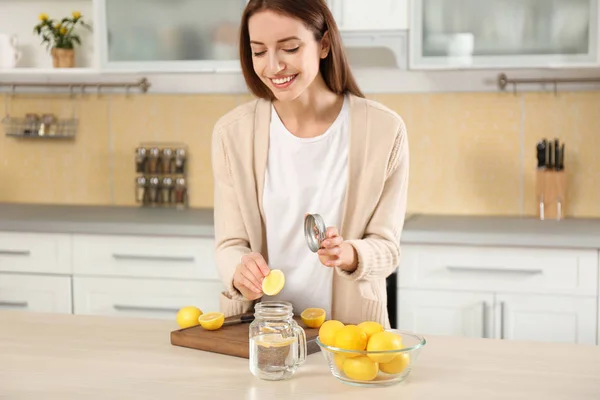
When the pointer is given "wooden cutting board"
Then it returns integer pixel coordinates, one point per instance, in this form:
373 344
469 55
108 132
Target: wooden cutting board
231 340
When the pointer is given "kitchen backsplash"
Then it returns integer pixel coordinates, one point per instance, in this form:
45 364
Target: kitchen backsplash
471 153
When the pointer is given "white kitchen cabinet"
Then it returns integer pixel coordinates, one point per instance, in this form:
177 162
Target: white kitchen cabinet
35 252
508 293
144 256
558 319
144 298
438 312
184 35
370 15
35 293
451 34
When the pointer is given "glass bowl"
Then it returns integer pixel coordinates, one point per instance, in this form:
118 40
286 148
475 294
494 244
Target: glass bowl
357 367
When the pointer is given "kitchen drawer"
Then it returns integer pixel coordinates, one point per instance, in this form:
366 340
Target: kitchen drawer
507 269
35 252
144 256
145 298
35 293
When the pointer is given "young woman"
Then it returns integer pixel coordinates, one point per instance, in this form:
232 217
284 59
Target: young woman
310 143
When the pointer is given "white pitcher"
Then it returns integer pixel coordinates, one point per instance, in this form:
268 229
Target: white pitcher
9 53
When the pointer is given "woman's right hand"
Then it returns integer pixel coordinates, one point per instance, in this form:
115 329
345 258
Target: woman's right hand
249 275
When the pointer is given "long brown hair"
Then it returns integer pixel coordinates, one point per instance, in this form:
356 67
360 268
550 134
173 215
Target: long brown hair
317 17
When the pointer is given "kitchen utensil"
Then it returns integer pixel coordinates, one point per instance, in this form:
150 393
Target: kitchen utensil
9 53
396 370
239 319
556 153
277 342
232 340
314 231
561 159
550 156
541 154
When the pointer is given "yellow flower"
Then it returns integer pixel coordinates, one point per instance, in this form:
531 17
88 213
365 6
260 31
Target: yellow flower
63 30
76 14
58 26
43 17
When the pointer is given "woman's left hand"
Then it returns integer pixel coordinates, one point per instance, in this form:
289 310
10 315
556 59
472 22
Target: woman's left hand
334 252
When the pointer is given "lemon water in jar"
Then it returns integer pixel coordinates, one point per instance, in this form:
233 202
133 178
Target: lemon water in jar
277 343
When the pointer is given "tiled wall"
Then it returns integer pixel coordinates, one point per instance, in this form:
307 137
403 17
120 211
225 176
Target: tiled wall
471 153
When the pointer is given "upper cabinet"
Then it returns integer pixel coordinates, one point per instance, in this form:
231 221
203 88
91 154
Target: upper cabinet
503 33
352 15
375 32
176 35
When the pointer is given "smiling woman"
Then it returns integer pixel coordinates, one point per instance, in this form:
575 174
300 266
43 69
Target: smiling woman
310 143
301 36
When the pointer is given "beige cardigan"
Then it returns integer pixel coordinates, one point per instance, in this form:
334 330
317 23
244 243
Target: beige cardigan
374 208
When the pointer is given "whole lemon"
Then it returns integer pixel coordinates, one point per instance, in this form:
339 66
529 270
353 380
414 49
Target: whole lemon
339 359
397 365
371 327
188 316
384 341
351 337
328 330
360 368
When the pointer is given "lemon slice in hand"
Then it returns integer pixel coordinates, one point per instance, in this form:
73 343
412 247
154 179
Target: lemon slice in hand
212 321
273 283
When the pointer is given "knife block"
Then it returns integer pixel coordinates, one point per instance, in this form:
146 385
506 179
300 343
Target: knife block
551 190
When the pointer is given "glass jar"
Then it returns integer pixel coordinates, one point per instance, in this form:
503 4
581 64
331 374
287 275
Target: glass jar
277 342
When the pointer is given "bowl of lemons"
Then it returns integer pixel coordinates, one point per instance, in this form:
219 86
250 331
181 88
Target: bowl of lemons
367 354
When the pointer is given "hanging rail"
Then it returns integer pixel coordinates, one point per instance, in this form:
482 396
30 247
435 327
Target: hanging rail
503 81
143 84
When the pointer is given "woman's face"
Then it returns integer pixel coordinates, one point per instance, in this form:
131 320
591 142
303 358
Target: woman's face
285 53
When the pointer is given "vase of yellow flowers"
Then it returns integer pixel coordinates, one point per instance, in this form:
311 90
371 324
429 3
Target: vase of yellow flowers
60 37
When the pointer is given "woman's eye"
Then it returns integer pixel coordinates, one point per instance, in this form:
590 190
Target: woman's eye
291 50
259 53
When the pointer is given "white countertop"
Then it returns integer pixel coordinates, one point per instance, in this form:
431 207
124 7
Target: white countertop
502 231
54 356
424 229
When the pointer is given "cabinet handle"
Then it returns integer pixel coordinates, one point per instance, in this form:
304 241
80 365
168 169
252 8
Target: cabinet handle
15 252
120 307
453 268
484 319
19 304
118 256
501 320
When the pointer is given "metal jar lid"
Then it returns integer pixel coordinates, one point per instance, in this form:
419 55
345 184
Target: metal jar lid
314 231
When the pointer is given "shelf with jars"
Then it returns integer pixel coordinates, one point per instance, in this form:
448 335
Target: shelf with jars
161 179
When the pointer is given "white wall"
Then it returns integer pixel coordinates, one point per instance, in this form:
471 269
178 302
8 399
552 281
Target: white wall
20 16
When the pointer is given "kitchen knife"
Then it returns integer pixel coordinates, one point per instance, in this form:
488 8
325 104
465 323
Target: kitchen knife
556 154
549 156
561 158
239 319
541 154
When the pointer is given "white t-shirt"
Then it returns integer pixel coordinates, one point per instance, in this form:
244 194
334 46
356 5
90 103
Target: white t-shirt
304 175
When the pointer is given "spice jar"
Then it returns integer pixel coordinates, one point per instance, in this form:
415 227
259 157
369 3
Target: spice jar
277 342
180 159
166 187
140 159
153 189
152 163
48 125
180 191
167 161
141 194
31 125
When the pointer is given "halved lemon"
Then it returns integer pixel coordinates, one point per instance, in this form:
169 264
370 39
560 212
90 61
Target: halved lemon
212 321
313 317
273 283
